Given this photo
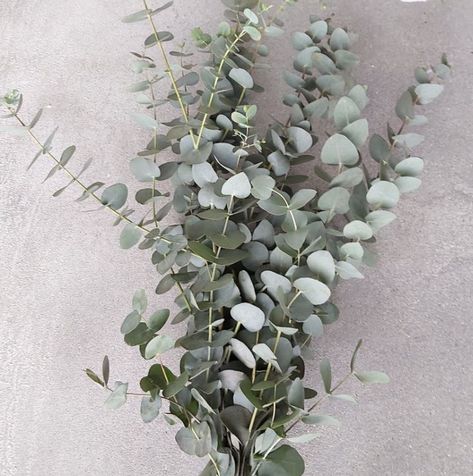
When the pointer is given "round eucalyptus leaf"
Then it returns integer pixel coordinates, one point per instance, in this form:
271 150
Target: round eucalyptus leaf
347 271
428 92
317 108
131 322
313 326
408 140
130 236
301 198
243 353
352 251
315 291
264 352
273 281
158 345
238 185
246 285
295 395
332 84
157 320
279 163
379 218
379 148
411 167
150 408
262 187
303 63
145 121
346 111
357 230
264 232
284 461
405 106
256 254
239 397
323 63
223 152
301 40
336 199
358 94
118 397
242 77
231 379
407 184
253 32
140 301
208 198
339 150
300 138
357 132
263 50
115 196
203 174
196 441
348 178
273 31
318 29
321 263
346 60
145 170
224 122
339 40
250 316
251 15
383 194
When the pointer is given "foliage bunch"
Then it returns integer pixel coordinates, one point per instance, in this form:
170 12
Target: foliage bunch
255 257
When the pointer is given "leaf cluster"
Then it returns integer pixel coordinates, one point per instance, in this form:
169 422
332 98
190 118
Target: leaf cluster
256 254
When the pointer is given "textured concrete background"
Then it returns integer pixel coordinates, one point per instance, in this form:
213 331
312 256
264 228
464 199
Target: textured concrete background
66 285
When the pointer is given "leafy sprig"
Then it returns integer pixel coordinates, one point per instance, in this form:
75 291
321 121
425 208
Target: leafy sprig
255 257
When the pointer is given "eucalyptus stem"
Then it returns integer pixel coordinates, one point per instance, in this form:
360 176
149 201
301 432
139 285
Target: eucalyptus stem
214 86
75 179
169 71
322 399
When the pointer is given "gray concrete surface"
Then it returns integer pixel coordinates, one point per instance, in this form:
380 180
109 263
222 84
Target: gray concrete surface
65 284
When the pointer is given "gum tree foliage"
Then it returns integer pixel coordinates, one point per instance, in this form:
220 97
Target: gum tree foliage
256 254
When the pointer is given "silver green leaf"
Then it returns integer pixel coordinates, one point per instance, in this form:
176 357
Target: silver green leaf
383 194
312 289
250 316
339 150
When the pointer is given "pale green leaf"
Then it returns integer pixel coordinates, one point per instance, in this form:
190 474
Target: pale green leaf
383 194
321 263
372 377
238 185
243 353
129 236
150 408
242 77
357 230
118 397
250 316
315 291
339 150
158 345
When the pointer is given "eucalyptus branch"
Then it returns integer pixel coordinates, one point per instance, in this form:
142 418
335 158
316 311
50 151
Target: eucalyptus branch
73 177
228 51
255 262
169 70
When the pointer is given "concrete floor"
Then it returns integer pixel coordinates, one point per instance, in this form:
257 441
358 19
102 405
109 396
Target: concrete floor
66 285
